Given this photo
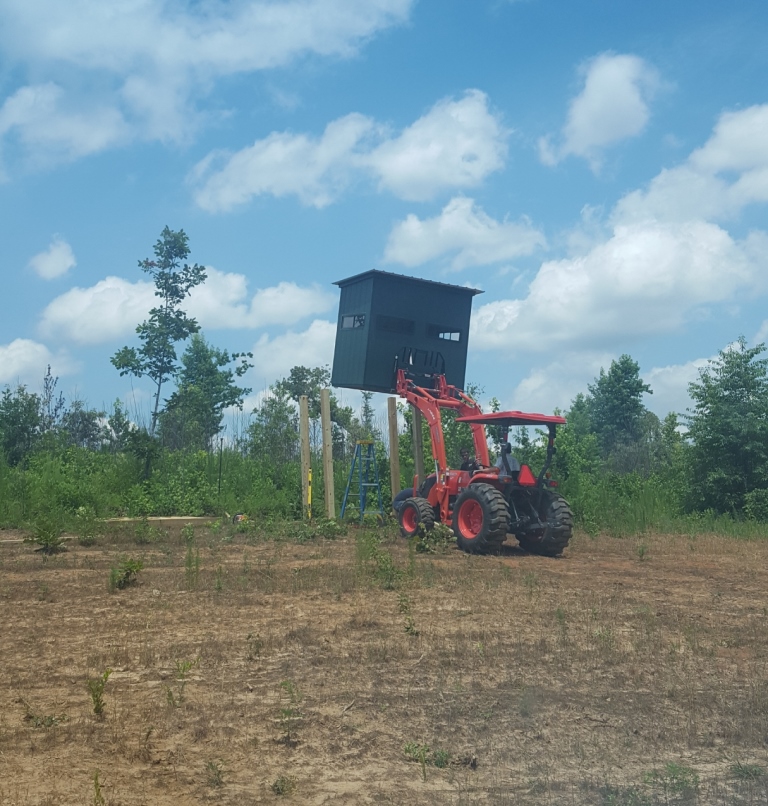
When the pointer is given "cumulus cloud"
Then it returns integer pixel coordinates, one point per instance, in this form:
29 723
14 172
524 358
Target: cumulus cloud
25 361
465 231
56 260
612 106
456 144
314 169
142 69
113 307
106 311
648 278
729 172
273 357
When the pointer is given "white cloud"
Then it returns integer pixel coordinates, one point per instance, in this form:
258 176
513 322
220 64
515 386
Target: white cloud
464 230
113 307
56 260
555 384
670 386
314 169
52 128
274 357
222 302
612 106
647 279
106 311
729 172
454 145
25 361
145 66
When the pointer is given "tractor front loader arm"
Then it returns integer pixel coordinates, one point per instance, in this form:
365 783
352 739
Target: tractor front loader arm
443 396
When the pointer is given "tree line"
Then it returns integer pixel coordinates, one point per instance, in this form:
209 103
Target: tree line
616 460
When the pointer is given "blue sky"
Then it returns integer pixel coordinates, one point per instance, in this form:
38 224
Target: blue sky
599 169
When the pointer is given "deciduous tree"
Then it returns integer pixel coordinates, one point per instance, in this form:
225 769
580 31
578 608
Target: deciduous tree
168 324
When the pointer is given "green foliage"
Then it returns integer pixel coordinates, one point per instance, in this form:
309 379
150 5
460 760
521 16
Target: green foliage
167 324
426 756
214 774
181 672
96 687
290 714
283 785
46 532
98 796
125 573
206 387
674 779
728 426
615 404
20 423
438 539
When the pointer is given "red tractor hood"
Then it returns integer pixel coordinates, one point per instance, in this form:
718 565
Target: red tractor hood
506 419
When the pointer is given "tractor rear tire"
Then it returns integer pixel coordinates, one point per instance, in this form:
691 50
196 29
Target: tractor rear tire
557 532
415 514
480 519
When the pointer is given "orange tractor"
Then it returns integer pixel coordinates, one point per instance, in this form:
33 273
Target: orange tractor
484 506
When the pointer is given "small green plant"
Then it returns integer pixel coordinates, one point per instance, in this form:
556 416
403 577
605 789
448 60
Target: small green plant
562 624
674 779
435 540
192 565
144 533
40 720
404 605
96 689
290 713
255 643
183 668
124 574
188 533
87 526
426 757
747 772
642 551
219 583
283 785
214 774
98 796
531 582
46 533
330 529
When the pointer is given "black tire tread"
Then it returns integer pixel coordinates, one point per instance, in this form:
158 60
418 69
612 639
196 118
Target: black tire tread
557 533
495 526
426 515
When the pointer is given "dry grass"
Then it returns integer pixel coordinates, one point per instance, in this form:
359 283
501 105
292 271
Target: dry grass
337 671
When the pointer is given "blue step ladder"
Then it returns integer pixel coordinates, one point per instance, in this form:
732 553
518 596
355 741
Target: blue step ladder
365 462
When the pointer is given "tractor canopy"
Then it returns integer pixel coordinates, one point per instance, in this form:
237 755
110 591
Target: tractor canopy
506 419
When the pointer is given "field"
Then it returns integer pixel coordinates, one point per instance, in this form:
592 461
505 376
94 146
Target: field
288 665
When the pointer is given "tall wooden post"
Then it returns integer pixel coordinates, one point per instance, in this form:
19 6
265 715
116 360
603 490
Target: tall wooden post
325 422
394 446
418 445
306 467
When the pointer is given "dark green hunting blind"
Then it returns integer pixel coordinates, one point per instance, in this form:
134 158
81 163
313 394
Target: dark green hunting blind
389 322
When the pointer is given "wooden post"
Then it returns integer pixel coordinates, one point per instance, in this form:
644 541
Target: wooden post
325 422
306 466
418 445
394 446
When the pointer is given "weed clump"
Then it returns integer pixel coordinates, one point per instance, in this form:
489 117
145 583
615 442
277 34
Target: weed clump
124 574
96 690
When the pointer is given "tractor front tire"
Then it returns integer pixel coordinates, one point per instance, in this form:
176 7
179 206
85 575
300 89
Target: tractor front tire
557 531
480 519
414 514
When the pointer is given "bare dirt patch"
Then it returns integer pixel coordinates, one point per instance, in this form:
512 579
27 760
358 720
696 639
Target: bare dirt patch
248 669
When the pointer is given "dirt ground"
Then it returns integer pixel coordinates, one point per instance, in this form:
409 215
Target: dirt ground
271 667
